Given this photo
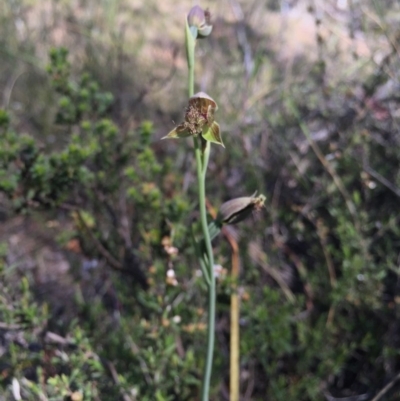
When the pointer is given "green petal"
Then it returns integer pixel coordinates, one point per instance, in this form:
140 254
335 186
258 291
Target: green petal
205 31
212 134
193 31
177 132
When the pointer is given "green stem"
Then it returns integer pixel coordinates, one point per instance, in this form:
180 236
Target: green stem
201 167
191 80
204 160
200 257
201 176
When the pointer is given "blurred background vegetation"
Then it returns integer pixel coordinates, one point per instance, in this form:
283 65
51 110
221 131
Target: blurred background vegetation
100 294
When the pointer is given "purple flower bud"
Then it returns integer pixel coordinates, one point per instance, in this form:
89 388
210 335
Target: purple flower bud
199 22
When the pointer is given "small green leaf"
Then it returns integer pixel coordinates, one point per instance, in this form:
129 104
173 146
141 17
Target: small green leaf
212 134
178 132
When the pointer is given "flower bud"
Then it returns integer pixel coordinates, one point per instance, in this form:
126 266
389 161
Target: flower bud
236 210
199 22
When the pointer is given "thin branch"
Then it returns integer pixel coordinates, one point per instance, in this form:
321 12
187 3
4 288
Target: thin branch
234 381
385 389
259 257
6 326
115 377
102 250
321 157
242 38
145 369
382 180
361 397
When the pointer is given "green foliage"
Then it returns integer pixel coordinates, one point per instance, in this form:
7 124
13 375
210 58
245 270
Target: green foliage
44 364
96 174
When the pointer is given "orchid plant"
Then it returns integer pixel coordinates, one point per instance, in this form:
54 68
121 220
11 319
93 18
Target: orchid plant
199 123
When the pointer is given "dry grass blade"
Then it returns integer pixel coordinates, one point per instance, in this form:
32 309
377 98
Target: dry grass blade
260 257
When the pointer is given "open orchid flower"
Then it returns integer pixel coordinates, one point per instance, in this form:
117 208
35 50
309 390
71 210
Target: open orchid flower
199 120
